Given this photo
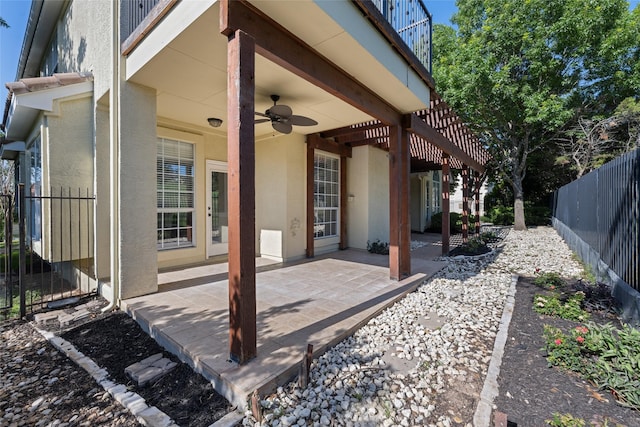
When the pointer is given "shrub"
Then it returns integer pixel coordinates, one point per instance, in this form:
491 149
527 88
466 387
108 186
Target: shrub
378 247
455 222
533 215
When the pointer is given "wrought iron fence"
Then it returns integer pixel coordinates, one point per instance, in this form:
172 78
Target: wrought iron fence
602 209
55 248
413 23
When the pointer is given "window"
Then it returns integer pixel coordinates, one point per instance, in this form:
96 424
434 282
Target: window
437 195
326 195
50 63
175 175
34 207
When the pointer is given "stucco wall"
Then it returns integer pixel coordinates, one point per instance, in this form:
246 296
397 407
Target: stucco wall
415 202
68 171
138 259
368 183
280 197
84 41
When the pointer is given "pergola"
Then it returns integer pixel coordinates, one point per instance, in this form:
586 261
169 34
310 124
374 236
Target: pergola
430 137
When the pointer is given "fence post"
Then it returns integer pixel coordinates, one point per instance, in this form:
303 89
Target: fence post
23 254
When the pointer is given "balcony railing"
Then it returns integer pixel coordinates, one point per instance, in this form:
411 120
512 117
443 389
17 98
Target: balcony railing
412 21
134 12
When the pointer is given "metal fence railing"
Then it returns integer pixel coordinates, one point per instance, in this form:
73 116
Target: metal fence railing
602 209
413 23
134 12
55 255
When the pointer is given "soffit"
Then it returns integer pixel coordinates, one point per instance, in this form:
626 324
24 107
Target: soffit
33 95
189 72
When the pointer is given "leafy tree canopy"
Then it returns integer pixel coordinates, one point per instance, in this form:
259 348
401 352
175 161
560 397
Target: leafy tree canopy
520 70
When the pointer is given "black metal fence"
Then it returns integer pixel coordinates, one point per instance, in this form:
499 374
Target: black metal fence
412 21
602 209
54 252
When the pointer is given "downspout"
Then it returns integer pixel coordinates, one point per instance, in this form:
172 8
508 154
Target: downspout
114 159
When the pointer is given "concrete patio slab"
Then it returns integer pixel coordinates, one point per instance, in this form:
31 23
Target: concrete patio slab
318 301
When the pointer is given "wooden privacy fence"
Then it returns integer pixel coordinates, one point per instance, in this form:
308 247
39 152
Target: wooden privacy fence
602 208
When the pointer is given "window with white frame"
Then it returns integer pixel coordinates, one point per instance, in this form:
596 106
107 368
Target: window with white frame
326 195
34 204
175 175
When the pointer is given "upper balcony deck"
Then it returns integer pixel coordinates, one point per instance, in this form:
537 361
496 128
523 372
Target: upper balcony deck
406 23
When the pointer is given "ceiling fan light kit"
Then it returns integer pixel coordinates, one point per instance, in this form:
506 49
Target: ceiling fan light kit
282 118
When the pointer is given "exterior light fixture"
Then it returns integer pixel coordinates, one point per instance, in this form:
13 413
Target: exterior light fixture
214 122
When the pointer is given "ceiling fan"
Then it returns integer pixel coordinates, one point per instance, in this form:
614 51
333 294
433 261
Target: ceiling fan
282 118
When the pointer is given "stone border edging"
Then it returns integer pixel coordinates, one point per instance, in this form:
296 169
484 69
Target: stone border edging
482 416
133 402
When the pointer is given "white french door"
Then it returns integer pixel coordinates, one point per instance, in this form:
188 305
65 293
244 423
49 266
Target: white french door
217 209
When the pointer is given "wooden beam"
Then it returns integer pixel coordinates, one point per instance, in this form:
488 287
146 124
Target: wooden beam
478 184
446 205
242 219
465 203
310 194
415 124
351 130
329 146
400 226
280 46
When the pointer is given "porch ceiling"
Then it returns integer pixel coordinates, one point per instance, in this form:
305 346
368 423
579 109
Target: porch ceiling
189 72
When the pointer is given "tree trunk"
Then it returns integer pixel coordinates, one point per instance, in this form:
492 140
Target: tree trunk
518 208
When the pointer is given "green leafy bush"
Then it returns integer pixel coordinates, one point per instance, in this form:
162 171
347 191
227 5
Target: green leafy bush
549 280
551 305
533 215
602 354
378 247
455 222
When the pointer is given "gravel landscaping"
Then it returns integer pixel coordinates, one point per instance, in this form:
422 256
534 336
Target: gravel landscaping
423 361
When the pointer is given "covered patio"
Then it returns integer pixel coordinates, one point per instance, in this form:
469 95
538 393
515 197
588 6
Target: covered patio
317 301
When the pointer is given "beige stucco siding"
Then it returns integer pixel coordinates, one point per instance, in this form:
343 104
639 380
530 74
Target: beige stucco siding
280 197
84 41
368 183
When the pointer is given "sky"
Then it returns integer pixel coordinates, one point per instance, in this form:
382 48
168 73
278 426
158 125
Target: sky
16 12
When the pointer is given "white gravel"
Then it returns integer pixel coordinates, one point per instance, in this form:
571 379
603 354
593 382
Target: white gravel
403 367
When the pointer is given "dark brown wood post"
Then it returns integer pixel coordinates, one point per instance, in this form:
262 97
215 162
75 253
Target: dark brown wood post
465 203
242 219
399 227
446 205
343 203
310 193
478 184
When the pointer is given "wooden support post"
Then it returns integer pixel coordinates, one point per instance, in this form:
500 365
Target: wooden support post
310 191
446 205
399 227
305 367
478 184
465 203
242 220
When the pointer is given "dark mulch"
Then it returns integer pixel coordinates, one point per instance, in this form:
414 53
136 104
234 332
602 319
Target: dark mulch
117 341
531 391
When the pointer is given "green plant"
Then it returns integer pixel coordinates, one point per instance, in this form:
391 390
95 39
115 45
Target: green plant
378 247
549 280
455 222
551 305
565 420
604 355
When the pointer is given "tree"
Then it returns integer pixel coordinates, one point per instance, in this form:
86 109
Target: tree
518 71
3 23
595 141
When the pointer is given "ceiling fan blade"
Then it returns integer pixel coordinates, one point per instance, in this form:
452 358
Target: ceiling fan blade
280 110
260 114
261 121
302 121
282 127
